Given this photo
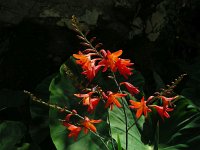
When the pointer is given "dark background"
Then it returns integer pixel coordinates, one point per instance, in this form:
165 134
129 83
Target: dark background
160 36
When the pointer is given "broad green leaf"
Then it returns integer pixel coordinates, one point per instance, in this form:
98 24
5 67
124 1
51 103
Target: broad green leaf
182 130
11 133
118 128
119 146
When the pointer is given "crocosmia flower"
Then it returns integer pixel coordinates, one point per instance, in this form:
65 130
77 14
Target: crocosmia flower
131 89
140 107
88 124
110 60
112 100
89 101
163 112
91 70
67 118
123 67
88 65
83 60
74 131
167 100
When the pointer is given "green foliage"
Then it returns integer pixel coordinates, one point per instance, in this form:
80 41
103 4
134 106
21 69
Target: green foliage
118 127
11 134
119 146
182 130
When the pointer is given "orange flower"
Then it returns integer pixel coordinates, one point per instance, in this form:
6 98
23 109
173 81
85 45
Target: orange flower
67 118
74 131
123 67
110 60
89 101
87 64
141 107
167 101
132 89
91 70
112 99
163 112
88 124
83 60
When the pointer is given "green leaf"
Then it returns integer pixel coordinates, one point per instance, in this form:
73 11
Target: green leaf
11 133
119 146
118 128
182 129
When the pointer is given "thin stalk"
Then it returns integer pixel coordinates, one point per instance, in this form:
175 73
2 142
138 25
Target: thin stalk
135 123
34 98
101 138
75 24
110 132
123 107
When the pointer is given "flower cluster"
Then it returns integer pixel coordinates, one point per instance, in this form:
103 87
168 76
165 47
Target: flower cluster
104 59
85 124
93 61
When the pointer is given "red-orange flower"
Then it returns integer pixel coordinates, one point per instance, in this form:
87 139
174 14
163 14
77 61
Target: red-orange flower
89 101
91 70
88 65
83 60
112 99
110 60
123 67
141 107
167 101
67 118
132 89
163 112
74 131
88 124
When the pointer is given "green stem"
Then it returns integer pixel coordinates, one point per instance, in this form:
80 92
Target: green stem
34 98
135 123
110 132
101 138
123 107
